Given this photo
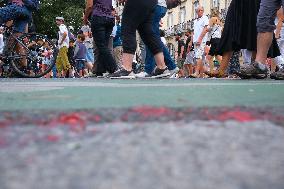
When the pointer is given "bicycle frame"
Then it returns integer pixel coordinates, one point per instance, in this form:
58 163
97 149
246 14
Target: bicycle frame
19 42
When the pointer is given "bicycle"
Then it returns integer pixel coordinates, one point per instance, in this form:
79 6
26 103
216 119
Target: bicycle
26 54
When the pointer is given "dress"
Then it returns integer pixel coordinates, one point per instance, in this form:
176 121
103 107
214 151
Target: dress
240 27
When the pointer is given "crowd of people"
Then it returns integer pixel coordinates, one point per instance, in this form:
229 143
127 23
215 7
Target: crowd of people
249 44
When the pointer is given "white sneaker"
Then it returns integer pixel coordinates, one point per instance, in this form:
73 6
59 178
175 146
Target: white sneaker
174 71
174 76
142 75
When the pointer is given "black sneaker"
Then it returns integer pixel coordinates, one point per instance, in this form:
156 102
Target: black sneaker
279 75
254 70
161 73
122 74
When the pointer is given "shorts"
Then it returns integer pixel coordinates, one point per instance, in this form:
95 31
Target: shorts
90 56
199 50
20 15
214 42
80 65
190 58
62 62
267 14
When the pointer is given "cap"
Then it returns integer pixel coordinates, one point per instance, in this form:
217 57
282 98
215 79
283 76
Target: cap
59 18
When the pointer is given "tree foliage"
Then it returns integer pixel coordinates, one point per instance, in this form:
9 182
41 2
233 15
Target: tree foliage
44 19
71 10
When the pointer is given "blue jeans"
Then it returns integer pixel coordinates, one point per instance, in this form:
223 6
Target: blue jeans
150 63
20 15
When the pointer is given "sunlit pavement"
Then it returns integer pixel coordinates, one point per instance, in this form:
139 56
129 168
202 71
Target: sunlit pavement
102 134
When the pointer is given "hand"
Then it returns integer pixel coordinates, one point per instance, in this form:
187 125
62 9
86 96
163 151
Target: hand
199 41
85 20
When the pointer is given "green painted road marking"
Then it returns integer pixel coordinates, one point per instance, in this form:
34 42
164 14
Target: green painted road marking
97 93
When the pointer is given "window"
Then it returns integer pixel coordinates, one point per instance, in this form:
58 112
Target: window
195 5
215 4
170 19
182 15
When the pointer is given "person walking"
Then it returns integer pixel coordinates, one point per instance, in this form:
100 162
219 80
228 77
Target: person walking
139 15
62 62
117 43
150 64
265 28
102 22
199 40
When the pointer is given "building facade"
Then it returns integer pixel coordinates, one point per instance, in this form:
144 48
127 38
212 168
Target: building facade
180 19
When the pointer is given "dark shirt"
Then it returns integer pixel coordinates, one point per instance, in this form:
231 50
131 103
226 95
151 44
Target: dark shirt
186 47
80 51
103 8
180 45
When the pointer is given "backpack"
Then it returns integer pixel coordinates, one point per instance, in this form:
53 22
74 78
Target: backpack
32 4
173 3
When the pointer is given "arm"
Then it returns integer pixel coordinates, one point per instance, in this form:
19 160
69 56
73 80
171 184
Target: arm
279 25
88 10
203 33
63 38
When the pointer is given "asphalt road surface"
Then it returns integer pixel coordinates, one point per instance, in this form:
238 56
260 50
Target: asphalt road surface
143 134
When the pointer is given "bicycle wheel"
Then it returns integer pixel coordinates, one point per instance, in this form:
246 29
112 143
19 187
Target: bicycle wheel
32 55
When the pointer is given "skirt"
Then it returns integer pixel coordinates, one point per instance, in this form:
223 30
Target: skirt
240 27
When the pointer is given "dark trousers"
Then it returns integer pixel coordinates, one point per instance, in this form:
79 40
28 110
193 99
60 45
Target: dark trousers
101 29
138 15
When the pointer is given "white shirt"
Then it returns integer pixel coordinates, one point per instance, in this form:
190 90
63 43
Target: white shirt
114 30
215 31
62 30
199 25
162 3
164 41
1 43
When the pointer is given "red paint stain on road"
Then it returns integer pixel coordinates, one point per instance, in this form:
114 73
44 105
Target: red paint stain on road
239 116
73 120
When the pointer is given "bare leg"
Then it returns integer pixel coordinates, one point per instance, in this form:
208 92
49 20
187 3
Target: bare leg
264 41
199 68
211 63
127 61
159 58
225 62
89 65
273 65
186 68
